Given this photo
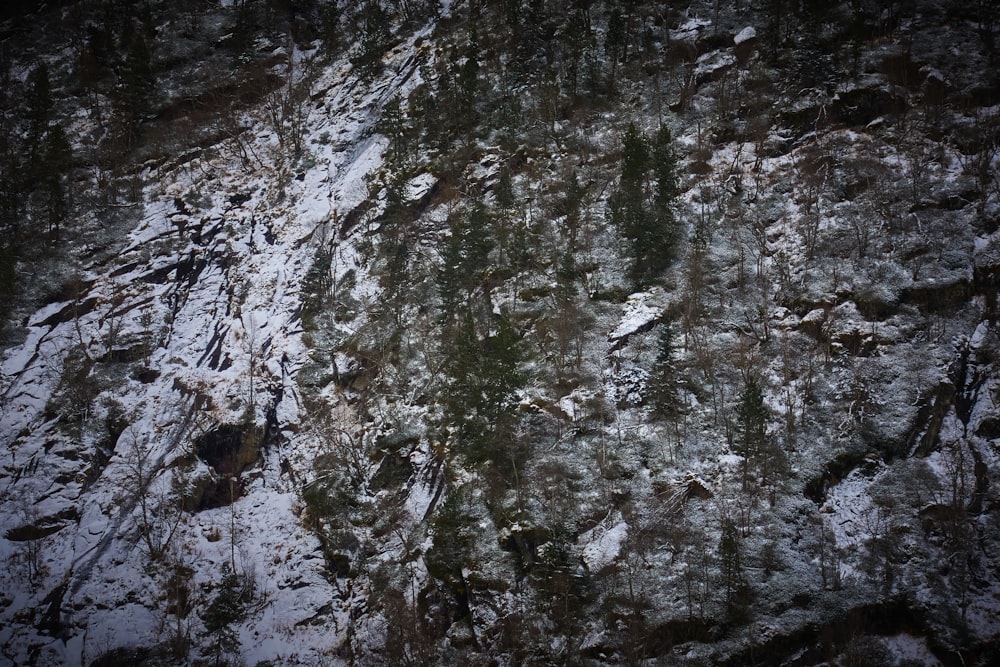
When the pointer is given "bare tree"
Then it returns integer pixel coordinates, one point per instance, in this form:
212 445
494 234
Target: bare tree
159 497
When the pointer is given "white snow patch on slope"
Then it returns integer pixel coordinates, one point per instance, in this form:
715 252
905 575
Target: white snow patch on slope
640 309
745 35
602 544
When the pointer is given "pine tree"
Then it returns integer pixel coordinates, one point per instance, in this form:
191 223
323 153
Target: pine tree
578 38
136 83
481 396
393 124
614 43
504 192
737 592
225 609
468 83
628 210
57 160
375 35
38 111
465 259
752 416
664 163
662 382
649 228
635 158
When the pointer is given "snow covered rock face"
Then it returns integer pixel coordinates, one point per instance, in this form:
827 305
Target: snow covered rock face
360 352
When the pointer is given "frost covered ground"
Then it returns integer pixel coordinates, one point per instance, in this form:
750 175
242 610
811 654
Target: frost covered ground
243 388
211 276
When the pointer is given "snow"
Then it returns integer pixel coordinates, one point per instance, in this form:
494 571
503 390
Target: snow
602 544
907 648
713 62
745 35
222 286
694 23
420 185
229 294
641 309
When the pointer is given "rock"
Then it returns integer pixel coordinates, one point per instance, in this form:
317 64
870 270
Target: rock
745 44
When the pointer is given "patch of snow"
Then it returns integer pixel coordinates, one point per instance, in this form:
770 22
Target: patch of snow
715 61
640 309
602 544
909 649
745 35
420 185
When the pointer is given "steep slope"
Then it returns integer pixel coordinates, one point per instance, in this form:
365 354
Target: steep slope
172 382
605 335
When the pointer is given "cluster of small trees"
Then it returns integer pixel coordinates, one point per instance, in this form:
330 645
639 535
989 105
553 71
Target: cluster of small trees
36 159
642 207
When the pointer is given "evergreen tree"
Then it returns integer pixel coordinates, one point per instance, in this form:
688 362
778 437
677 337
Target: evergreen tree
649 228
329 25
38 111
752 418
568 206
375 35
136 83
737 592
395 242
465 259
394 126
664 163
468 83
578 36
628 208
481 397
635 158
504 192
662 384
225 609
57 161
614 43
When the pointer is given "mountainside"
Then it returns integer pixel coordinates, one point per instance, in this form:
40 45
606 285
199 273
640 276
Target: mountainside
521 332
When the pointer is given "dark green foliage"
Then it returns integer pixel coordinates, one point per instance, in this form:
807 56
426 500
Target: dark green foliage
662 384
568 206
329 25
375 35
227 607
752 416
649 226
504 192
734 584
8 279
579 39
555 574
480 400
57 162
12 177
135 87
635 158
394 125
395 243
664 166
759 449
468 82
454 534
465 259
37 112
316 286
614 43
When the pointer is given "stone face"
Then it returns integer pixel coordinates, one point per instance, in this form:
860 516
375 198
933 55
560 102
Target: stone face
836 226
